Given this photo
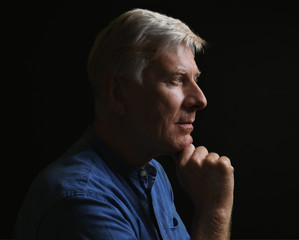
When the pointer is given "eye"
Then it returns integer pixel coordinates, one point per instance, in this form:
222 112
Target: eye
178 79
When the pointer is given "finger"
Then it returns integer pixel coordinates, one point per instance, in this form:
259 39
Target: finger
198 155
212 156
183 157
211 159
226 163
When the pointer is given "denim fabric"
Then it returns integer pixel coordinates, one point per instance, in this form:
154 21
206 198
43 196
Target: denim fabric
89 193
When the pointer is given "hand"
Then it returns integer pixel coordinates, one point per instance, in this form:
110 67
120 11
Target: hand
207 178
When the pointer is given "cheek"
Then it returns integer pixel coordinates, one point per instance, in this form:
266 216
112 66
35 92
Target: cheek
168 112
159 110
171 111
170 104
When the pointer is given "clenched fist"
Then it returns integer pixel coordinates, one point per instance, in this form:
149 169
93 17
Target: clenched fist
209 181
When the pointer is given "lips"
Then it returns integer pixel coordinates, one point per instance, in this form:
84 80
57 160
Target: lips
186 124
187 121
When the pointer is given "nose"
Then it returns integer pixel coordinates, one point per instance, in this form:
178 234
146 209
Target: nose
194 97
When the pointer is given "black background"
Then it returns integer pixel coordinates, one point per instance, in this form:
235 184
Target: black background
249 70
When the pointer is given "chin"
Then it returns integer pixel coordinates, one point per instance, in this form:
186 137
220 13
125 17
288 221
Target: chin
181 144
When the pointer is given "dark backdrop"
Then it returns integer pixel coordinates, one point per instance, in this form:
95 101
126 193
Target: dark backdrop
249 70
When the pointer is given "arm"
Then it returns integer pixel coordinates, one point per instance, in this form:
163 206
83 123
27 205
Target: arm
82 217
209 181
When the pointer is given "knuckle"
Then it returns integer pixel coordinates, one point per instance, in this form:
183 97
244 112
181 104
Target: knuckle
195 159
212 157
185 155
224 159
199 154
191 147
202 150
225 162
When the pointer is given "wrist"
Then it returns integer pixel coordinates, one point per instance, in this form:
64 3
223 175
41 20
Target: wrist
211 224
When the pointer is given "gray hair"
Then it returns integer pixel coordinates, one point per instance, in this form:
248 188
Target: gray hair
127 45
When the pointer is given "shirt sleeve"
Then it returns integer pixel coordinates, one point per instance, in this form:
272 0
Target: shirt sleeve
82 217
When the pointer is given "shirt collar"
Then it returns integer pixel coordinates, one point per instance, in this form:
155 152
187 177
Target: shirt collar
113 160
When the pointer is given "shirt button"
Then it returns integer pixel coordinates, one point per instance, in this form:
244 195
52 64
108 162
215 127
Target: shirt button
143 173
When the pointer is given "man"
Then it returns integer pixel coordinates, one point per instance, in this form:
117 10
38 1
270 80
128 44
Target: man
108 185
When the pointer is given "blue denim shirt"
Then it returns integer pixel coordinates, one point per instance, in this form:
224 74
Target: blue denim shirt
89 193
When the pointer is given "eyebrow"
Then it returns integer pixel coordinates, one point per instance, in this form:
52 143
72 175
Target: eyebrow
183 72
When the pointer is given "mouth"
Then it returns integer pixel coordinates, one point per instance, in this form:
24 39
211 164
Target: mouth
188 125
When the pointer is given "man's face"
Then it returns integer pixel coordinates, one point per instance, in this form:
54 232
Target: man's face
160 111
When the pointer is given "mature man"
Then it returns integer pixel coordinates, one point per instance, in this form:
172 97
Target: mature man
108 185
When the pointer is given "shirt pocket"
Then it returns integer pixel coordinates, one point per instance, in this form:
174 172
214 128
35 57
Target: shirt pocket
173 221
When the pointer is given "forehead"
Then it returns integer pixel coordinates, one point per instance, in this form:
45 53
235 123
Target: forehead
178 58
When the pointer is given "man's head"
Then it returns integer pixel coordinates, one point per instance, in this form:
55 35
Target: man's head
129 43
144 76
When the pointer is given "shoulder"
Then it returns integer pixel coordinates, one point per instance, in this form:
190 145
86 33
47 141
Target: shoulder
75 173
72 175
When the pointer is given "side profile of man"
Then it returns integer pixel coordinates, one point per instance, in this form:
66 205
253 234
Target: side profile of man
108 185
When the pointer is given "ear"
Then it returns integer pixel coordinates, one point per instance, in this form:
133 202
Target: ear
114 93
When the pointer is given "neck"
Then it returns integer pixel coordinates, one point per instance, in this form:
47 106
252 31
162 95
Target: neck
112 132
